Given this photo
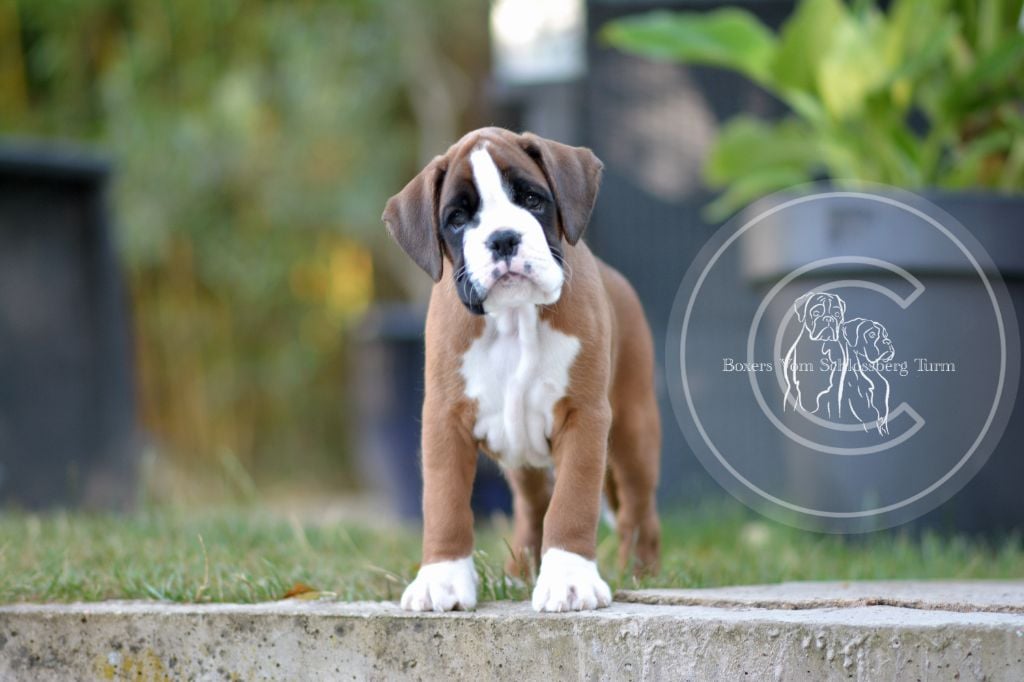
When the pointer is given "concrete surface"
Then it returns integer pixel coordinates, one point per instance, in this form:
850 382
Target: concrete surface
727 638
990 595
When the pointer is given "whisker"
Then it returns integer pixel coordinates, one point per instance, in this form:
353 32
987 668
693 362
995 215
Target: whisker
564 264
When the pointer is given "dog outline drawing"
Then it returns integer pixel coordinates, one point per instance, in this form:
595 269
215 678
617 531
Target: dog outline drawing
866 390
846 355
821 316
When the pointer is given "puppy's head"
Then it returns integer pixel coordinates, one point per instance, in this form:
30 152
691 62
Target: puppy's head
499 208
821 315
869 340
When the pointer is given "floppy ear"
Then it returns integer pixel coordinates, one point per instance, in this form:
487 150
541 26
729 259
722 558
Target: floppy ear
881 332
411 217
800 306
574 174
851 331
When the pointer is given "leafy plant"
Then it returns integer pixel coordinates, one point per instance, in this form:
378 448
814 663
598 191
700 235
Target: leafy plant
927 94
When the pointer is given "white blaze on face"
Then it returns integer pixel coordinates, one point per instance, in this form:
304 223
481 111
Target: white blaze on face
531 275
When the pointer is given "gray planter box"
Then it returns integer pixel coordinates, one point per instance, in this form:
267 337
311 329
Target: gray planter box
935 327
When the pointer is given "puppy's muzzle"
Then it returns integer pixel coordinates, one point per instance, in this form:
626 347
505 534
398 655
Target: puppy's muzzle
504 244
887 352
825 328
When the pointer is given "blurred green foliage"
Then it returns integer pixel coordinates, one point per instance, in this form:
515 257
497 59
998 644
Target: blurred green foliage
255 143
929 93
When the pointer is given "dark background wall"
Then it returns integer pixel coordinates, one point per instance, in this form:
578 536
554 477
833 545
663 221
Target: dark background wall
652 125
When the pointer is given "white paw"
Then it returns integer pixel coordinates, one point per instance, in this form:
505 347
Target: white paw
568 582
442 586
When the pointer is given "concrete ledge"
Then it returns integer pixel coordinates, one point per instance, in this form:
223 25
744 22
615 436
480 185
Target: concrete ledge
327 640
996 596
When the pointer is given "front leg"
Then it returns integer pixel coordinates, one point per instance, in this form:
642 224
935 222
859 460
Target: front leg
531 493
569 579
447 579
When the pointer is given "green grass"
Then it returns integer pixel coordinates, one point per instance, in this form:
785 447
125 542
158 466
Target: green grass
242 555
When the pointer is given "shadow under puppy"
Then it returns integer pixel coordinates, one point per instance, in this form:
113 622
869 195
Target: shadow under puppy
537 353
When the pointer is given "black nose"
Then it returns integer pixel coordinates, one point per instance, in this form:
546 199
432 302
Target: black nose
503 244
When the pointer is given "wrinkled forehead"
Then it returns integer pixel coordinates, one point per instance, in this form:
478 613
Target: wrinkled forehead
824 299
512 162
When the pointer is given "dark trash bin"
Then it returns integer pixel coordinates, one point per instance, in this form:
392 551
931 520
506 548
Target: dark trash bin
389 371
67 416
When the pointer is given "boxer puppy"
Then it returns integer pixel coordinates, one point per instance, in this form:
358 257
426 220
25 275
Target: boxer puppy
866 390
820 316
537 353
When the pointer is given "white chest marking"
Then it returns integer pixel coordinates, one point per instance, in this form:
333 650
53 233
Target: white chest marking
516 371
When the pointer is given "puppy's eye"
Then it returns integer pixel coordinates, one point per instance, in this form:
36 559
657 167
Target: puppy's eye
532 201
457 220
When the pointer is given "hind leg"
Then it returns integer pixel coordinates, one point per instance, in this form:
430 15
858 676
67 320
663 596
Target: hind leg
531 492
634 460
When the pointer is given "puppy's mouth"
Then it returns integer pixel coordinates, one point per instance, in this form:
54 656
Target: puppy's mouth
510 279
507 284
825 329
504 275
